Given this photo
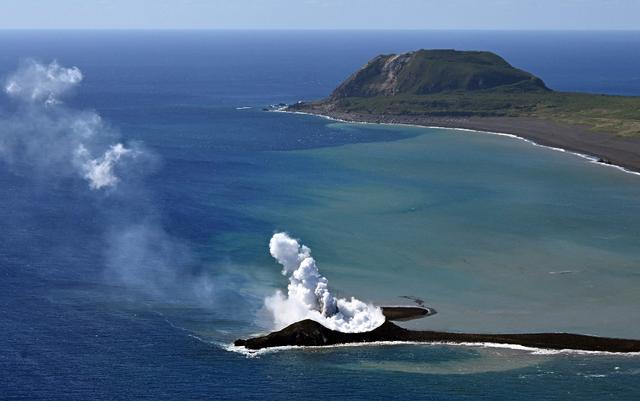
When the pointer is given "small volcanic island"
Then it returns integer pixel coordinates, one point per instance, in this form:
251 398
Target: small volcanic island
313 316
311 333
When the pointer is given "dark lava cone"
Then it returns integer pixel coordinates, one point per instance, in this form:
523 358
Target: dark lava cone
310 333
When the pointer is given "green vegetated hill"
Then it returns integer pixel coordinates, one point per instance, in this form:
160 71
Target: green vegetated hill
450 83
427 72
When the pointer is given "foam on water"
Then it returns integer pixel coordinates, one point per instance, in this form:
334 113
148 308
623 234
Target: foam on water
514 347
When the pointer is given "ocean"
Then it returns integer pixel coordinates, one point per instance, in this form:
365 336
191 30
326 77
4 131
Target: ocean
135 290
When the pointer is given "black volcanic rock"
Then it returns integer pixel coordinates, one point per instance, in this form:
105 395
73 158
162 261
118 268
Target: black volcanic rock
402 313
310 333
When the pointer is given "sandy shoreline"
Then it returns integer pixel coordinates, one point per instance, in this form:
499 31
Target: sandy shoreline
619 152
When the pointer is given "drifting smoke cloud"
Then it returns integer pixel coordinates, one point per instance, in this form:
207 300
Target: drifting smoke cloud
37 83
99 172
308 295
145 257
44 138
54 140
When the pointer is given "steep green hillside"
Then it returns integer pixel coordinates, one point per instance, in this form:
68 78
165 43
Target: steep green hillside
460 84
435 71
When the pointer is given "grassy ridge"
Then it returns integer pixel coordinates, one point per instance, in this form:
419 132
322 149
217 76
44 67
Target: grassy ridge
450 83
617 115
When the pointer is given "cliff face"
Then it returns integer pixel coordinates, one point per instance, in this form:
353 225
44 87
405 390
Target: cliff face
311 333
433 71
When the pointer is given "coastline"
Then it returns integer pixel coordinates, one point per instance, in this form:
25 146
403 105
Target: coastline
310 333
249 352
603 149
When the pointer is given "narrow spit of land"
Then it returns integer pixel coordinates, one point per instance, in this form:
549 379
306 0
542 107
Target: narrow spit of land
479 90
311 333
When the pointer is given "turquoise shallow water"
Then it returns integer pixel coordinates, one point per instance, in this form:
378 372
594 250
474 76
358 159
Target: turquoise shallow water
136 293
494 232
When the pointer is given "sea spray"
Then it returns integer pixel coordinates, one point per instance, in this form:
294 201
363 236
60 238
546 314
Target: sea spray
308 295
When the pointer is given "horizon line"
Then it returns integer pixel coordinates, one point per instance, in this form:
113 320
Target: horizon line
176 29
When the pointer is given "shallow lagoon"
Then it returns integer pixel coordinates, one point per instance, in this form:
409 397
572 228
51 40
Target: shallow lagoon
495 233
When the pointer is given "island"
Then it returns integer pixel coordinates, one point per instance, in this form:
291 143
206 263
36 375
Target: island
476 90
311 333
479 90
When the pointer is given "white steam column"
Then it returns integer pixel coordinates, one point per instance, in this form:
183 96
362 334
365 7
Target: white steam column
308 295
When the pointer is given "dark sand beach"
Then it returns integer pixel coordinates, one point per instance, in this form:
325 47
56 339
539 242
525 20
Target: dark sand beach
610 149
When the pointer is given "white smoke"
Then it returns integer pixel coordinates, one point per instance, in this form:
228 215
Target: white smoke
36 82
44 141
99 171
308 295
58 142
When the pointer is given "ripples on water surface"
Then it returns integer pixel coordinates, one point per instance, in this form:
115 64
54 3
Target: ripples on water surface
497 234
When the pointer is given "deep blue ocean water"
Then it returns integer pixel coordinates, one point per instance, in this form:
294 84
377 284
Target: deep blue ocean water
223 180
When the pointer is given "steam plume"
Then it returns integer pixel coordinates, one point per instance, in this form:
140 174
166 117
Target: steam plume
99 171
308 295
56 141
45 139
36 82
